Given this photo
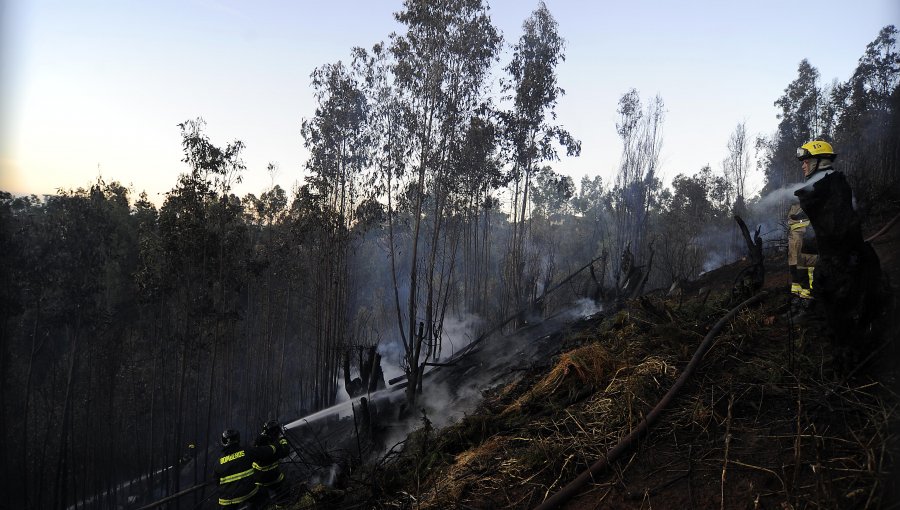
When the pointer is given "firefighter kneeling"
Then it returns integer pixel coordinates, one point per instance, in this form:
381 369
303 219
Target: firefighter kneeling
269 477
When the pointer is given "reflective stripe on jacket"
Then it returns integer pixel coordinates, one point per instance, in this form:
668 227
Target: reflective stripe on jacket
268 468
802 247
235 473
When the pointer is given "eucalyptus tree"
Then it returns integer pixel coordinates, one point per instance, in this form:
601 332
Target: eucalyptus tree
534 91
879 69
552 227
799 121
863 111
339 145
8 305
266 291
686 244
737 166
438 70
202 245
78 233
592 207
552 194
637 184
857 113
69 262
477 161
388 125
23 255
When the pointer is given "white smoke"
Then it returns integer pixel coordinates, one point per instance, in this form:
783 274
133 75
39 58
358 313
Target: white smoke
439 404
459 332
342 395
584 307
391 358
325 477
716 259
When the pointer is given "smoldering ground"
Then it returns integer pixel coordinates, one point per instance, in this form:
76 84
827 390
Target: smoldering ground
450 392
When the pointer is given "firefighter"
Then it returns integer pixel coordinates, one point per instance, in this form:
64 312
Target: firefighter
236 475
269 477
848 288
816 158
188 455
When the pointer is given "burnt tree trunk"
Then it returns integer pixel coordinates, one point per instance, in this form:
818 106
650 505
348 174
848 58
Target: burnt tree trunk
751 279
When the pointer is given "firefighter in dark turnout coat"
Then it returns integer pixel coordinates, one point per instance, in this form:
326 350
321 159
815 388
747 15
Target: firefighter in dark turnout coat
816 158
236 475
848 280
269 477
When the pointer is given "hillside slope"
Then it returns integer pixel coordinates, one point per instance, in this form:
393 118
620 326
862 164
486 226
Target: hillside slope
770 420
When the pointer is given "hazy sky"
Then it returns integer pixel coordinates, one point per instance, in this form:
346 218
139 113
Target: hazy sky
94 87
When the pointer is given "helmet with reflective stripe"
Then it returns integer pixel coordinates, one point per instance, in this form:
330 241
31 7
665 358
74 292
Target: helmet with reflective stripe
271 428
230 436
818 148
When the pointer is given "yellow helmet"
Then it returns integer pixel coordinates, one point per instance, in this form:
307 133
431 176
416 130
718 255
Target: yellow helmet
817 148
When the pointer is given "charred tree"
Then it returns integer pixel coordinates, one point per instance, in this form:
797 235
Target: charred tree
751 279
371 376
596 290
630 278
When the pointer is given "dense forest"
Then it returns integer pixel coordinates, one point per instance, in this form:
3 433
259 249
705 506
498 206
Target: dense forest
430 207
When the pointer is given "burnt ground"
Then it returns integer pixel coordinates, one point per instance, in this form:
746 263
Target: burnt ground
808 437
777 416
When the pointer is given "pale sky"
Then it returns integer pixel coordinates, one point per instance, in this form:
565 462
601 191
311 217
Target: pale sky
94 87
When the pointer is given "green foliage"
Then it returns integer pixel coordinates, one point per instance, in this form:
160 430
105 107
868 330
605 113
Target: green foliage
854 115
536 93
552 192
637 187
336 137
431 88
215 308
799 123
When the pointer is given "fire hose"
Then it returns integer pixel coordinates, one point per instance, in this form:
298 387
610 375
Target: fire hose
883 229
613 454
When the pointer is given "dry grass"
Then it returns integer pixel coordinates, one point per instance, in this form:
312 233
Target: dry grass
579 370
766 423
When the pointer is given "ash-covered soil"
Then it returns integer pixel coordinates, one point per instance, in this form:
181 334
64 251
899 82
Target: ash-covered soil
776 416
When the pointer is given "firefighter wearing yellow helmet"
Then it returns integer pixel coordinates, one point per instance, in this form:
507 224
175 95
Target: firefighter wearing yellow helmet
816 158
818 150
849 292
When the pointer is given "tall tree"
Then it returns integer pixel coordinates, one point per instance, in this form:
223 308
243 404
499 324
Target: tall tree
863 109
439 70
737 166
592 205
339 147
551 195
477 162
686 245
535 93
202 244
636 182
799 122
